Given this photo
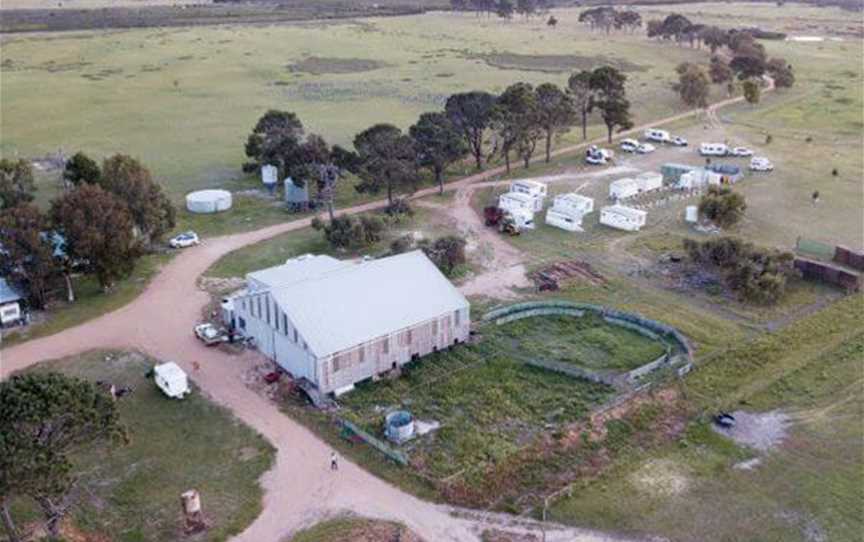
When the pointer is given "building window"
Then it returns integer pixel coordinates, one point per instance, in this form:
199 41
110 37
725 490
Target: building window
409 336
295 335
337 364
361 354
434 327
386 347
267 308
258 307
242 323
285 323
243 304
456 316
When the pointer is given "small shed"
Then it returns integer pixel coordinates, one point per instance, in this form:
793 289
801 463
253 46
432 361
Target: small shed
623 218
171 379
10 304
672 172
649 181
623 188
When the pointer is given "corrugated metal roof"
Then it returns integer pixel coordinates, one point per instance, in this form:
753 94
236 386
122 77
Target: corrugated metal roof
358 302
297 269
8 294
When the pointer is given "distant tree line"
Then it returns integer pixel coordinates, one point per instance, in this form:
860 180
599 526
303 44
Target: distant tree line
106 218
505 9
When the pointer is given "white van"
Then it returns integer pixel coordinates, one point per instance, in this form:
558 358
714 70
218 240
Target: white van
660 136
713 149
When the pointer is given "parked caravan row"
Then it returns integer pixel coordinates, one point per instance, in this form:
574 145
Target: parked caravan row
629 187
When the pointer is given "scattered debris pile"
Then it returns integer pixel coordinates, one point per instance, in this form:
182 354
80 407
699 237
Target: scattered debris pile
551 277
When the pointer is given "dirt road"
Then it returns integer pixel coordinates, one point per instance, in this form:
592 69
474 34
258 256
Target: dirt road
300 488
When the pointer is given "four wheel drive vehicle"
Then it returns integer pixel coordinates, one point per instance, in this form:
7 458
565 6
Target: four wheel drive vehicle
645 148
713 149
629 145
595 160
508 225
760 163
597 156
678 141
185 239
660 136
741 151
210 334
492 215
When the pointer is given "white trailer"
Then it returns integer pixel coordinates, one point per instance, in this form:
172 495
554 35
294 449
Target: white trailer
660 136
649 181
535 189
623 218
713 149
171 379
573 203
698 179
623 188
564 220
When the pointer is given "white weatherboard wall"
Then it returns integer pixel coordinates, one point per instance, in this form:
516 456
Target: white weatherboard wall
623 218
649 181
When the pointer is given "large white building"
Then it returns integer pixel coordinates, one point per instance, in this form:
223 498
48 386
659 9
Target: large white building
336 323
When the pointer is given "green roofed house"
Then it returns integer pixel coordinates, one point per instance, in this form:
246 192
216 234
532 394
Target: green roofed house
335 323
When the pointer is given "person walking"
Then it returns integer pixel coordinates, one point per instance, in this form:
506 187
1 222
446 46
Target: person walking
334 461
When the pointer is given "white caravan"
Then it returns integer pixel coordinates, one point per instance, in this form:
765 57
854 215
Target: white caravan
660 136
623 188
623 218
564 220
649 181
713 149
536 190
573 203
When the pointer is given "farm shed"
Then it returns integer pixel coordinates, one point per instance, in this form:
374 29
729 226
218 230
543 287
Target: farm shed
10 304
335 323
623 188
208 201
672 172
623 218
649 181
828 273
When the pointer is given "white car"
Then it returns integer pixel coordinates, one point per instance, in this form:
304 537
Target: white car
645 148
760 163
629 145
741 151
678 141
595 159
185 239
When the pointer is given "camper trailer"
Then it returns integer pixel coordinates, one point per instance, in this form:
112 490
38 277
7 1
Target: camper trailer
660 136
713 149
536 190
623 218
623 188
573 203
171 379
649 181
564 220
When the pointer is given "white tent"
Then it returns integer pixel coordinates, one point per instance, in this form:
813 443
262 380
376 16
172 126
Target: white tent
171 379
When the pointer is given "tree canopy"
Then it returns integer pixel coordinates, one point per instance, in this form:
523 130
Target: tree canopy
693 84
27 257
44 418
16 183
81 169
555 113
781 72
719 70
151 210
471 113
438 144
610 97
579 88
723 206
386 160
516 122
97 227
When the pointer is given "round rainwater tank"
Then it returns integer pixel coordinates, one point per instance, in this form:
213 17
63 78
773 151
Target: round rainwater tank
691 214
399 426
208 201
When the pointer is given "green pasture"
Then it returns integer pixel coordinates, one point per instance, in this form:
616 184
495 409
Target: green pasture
808 488
184 99
132 493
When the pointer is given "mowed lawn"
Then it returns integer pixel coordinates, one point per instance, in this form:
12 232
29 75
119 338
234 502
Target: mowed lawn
132 493
810 487
184 99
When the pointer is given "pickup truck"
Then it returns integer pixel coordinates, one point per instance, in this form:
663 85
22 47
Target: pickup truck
210 334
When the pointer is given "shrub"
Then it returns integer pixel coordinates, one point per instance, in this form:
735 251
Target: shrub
447 253
723 206
351 232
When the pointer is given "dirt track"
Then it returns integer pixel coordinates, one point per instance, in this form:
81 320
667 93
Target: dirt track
299 489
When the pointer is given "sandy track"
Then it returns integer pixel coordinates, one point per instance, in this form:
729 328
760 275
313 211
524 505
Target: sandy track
299 489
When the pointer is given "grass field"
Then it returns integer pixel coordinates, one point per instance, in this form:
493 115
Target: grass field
587 342
132 493
808 488
354 529
184 99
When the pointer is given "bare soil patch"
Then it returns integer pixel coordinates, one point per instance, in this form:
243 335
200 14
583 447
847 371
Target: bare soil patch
319 65
555 63
758 431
